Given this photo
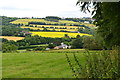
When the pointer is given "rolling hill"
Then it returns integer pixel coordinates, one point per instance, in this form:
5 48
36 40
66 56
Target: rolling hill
65 25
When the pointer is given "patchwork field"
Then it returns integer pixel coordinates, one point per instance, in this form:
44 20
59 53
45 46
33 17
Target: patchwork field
38 65
57 34
12 38
25 21
50 25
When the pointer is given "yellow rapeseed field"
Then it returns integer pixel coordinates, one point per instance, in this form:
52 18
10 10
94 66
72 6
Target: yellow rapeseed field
57 34
25 21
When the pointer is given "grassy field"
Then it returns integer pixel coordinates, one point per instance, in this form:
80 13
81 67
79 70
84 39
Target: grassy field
12 38
32 46
57 34
38 65
36 28
0 65
68 27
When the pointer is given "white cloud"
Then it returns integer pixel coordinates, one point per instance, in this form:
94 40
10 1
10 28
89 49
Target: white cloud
40 8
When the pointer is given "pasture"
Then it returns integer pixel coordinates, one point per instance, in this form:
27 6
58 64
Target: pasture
12 38
38 65
0 65
68 27
57 34
36 28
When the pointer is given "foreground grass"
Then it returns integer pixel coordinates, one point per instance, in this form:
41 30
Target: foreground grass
0 65
38 65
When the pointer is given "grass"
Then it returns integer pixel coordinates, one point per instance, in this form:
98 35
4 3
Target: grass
32 46
12 38
36 28
40 45
68 27
57 34
37 65
0 65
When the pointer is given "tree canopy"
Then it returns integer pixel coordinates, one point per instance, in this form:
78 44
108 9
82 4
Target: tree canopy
107 17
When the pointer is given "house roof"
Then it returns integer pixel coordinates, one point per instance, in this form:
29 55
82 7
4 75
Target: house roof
61 46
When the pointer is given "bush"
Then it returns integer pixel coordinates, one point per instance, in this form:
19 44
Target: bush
8 48
77 43
90 43
28 50
98 65
39 48
51 46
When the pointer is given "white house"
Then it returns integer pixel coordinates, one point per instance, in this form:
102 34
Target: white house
62 46
86 22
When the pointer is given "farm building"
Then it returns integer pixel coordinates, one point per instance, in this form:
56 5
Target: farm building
87 22
62 46
47 49
24 33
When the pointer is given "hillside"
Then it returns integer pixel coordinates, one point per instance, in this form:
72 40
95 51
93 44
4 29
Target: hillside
62 25
67 22
21 27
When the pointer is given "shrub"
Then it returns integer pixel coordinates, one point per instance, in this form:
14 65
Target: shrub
28 50
98 65
90 43
8 48
39 48
77 43
51 46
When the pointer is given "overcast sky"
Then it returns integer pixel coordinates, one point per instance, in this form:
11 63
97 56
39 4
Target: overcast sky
40 8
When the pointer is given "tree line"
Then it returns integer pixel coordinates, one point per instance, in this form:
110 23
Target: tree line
86 42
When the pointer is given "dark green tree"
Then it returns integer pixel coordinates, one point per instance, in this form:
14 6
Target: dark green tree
77 43
51 45
107 17
78 36
90 43
45 29
66 36
8 48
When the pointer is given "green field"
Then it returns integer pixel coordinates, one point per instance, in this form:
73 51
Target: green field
38 65
32 46
36 28
0 65
57 34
